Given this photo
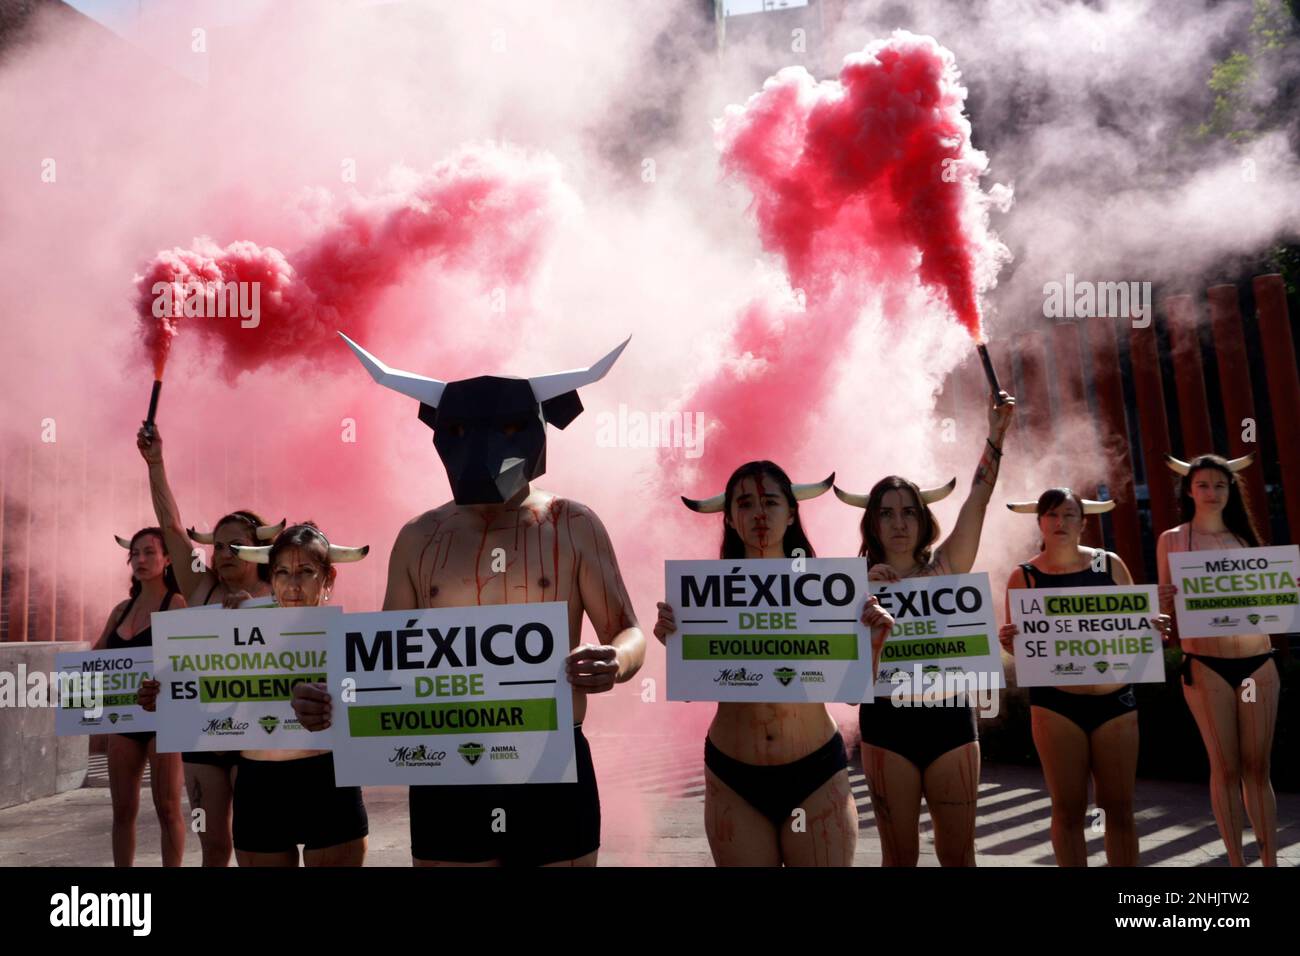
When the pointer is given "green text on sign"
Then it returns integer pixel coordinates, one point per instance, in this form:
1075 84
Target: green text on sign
481 717
1242 600
970 645
225 690
770 647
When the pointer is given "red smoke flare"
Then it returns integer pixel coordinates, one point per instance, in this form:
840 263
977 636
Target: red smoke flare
483 208
848 174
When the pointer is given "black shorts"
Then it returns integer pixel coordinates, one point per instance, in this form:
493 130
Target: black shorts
225 759
280 804
142 737
543 822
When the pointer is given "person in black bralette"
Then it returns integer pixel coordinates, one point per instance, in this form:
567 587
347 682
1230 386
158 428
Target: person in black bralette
153 588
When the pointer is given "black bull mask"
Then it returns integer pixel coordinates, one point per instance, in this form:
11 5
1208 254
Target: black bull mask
490 431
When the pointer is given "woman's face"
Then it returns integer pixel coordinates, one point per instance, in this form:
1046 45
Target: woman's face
230 567
1062 525
148 558
899 522
298 578
760 514
1209 489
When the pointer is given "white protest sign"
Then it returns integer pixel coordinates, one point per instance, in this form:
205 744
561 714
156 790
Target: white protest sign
1087 635
1236 591
466 695
945 635
100 697
770 630
227 676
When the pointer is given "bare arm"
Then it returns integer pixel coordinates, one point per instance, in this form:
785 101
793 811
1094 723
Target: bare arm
168 514
400 593
604 596
1118 569
961 546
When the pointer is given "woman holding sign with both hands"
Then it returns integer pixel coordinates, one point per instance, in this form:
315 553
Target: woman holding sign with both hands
930 750
287 798
765 761
1236 725
1085 729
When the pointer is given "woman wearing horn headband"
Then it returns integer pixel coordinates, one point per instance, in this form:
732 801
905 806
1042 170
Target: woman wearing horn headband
1085 729
153 588
764 761
208 775
933 751
287 798
1236 725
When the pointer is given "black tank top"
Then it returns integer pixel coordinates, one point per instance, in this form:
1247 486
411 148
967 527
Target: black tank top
116 642
1074 579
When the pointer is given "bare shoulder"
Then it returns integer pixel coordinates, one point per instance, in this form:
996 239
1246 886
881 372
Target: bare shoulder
118 608
419 528
1168 537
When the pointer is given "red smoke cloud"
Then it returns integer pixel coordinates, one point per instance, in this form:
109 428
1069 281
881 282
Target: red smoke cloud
863 186
869 177
488 209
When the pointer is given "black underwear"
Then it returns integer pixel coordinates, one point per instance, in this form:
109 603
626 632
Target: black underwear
1085 711
775 790
1234 670
920 735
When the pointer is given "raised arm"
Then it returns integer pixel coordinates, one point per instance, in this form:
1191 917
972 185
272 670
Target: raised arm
960 547
168 514
606 601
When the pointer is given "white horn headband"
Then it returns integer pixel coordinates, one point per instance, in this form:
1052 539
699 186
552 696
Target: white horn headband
265 532
1185 467
1090 507
928 495
801 493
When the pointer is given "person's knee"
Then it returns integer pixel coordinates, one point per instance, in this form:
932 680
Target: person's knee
1069 814
124 814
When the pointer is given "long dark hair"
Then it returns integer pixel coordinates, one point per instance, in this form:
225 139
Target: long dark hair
251 520
873 549
733 548
169 576
1236 513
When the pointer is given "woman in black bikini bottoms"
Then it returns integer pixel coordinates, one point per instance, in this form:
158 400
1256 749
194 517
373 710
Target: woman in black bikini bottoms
1087 729
908 752
1229 684
209 777
153 588
287 798
764 761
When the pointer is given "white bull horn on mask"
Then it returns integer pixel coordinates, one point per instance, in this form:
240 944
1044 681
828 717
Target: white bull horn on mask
546 387
419 387
429 390
1178 466
801 493
1090 507
928 495
264 532
122 541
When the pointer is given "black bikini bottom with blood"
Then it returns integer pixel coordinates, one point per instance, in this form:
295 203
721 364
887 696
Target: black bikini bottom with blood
775 790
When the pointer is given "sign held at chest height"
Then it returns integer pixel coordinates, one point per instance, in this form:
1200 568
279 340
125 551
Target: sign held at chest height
1101 635
1236 591
453 696
768 631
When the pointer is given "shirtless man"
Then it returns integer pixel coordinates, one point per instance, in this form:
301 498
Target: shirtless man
501 541
209 776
